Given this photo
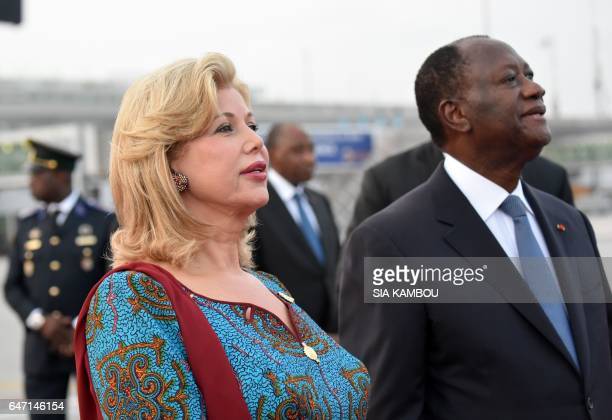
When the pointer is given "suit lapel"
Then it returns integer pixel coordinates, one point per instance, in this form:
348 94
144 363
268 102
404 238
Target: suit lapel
290 234
568 276
470 237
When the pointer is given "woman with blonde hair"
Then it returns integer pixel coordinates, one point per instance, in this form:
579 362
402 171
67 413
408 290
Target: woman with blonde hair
182 327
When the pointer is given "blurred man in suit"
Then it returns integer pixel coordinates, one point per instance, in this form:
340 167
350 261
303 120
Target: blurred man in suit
531 361
58 254
388 180
297 238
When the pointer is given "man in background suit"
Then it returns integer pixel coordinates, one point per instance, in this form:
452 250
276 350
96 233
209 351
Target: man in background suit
59 252
296 236
508 360
388 180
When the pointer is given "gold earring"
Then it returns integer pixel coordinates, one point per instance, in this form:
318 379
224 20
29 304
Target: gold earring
181 182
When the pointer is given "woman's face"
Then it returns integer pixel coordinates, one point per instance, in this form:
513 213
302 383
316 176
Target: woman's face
227 166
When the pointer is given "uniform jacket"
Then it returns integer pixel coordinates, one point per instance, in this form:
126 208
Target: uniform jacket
54 270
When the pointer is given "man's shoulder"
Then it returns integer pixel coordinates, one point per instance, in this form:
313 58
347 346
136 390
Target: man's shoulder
424 153
580 239
407 227
29 214
27 223
316 193
92 206
393 161
560 212
413 209
93 211
544 164
550 201
317 198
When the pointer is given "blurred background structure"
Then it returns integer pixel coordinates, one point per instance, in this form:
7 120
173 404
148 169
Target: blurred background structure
343 70
79 116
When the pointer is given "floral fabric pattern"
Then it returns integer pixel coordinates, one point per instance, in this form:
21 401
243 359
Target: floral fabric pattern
139 366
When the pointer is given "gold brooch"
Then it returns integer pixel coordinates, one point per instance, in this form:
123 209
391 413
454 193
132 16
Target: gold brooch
310 353
286 297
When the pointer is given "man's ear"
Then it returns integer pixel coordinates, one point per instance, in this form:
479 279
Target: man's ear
450 113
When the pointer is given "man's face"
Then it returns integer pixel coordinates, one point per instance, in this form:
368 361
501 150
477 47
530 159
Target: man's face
504 105
45 185
293 155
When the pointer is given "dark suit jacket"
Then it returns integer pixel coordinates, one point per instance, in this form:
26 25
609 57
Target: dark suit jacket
32 283
474 361
282 250
388 180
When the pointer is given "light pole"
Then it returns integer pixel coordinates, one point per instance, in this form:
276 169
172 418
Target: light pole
486 16
549 44
598 88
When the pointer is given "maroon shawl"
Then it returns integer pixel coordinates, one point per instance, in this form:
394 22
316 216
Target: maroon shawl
211 369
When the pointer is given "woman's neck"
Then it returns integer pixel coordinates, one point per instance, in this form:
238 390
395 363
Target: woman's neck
218 254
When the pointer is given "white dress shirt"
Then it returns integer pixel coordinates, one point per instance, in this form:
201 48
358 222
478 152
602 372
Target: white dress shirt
287 191
64 207
486 197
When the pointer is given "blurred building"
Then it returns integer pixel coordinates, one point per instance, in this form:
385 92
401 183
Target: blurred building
80 117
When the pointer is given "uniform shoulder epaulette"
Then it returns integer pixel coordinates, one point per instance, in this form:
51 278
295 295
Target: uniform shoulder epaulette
28 212
94 205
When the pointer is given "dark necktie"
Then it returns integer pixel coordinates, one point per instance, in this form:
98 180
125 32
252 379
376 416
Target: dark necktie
51 218
538 274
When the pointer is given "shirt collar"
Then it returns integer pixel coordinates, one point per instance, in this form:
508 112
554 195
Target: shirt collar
67 204
285 189
482 193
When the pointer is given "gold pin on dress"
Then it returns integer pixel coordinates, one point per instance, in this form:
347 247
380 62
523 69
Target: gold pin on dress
310 353
286 297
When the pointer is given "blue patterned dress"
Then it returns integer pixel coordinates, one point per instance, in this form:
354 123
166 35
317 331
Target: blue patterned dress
139 369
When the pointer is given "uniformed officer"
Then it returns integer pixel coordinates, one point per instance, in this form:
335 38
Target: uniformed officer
59 252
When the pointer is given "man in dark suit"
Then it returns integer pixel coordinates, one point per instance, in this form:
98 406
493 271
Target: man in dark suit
58 254
388 180
510 360
297 238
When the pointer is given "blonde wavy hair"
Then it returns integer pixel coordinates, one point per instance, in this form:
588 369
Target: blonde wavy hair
158 114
